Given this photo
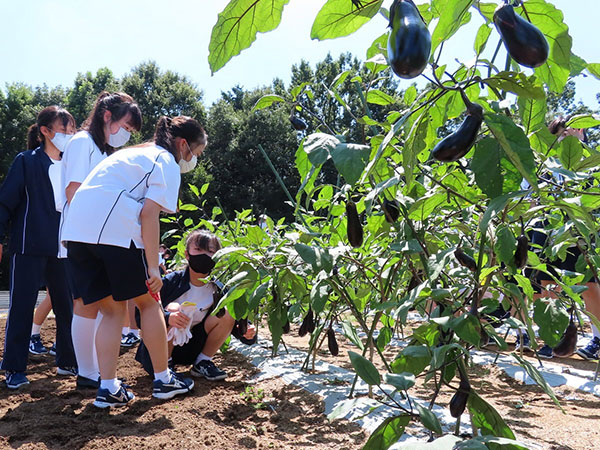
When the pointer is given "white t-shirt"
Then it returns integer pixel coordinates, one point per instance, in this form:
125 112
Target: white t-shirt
79 158
106 207
202 296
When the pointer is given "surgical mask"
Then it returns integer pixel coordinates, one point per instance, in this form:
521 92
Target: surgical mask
119 139
201 263
187 166
60 140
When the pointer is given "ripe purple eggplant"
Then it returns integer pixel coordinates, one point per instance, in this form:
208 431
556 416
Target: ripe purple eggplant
568 343
456 145
523 41
354 227
465 260
390 210
409 42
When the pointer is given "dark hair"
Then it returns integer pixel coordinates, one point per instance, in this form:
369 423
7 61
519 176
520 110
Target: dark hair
45 118
119 104
203 240
167 129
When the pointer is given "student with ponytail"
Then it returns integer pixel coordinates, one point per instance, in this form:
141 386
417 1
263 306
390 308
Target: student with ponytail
112 235
30 198
107 128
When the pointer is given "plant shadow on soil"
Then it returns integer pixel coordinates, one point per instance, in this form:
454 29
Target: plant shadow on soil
51 413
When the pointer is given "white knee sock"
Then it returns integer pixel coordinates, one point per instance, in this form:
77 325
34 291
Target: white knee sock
83 331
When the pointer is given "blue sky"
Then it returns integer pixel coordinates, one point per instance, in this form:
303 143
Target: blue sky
50 41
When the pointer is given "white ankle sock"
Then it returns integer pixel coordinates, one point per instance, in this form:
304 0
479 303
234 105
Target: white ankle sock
164 376
35 329
135 332
125 331
112 385
83 331
595 331
202 357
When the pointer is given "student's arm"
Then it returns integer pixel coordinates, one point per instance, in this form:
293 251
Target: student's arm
71 189
150 232
11 194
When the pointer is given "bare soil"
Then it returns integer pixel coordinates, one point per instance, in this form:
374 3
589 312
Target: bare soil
233 414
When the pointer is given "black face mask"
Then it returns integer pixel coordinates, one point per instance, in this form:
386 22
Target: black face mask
201 263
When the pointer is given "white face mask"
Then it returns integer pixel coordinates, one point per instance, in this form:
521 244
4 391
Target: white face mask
187 166
119 139
60 140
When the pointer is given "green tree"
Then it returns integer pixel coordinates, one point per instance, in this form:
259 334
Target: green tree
86 88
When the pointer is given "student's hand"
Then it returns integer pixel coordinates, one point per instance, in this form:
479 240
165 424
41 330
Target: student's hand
154 280
178 320
251 332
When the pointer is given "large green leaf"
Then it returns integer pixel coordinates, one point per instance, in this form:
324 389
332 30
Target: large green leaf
453 14
429 419
571 152
364 368
517 83
350 160
482 37
594 70
505 244
533 113
486 418
584 121
413 359
318 147
340 18
237 26
388 433
378 97
486 165
550 21
515 144
401 381
267 100
552 319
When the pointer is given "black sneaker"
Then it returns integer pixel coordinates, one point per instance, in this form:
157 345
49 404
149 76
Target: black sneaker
129 340
14 380
104 399
178 385
68 371
591 350
87 383
545 352
208 370
35 345
52 350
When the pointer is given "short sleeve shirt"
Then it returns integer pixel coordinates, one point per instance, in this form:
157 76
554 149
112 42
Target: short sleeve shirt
106 208
202 296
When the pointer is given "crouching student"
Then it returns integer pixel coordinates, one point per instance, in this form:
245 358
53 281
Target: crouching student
112 235
208 332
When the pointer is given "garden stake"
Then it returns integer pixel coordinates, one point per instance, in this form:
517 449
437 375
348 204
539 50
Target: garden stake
282 184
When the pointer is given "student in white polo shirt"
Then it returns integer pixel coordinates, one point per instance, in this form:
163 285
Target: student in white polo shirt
112 234
108 127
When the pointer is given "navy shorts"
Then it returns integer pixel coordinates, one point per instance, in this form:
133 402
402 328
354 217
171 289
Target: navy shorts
101 270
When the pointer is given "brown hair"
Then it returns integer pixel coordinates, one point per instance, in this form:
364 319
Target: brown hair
119 104
167 129
203 240
46 118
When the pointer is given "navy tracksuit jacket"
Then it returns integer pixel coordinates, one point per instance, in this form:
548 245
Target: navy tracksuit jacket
27 205
174 286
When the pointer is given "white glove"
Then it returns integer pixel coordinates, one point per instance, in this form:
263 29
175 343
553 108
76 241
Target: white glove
181 336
